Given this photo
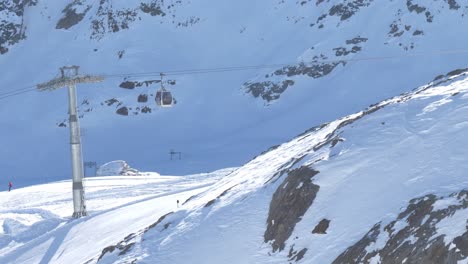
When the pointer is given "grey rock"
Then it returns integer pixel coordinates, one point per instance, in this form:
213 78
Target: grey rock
289 203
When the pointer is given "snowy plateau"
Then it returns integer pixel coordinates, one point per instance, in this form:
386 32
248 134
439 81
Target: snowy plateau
314 131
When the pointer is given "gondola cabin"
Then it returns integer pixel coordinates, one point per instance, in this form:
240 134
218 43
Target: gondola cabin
164 98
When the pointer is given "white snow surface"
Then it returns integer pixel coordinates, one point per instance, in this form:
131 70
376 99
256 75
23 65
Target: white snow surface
388 157
37 227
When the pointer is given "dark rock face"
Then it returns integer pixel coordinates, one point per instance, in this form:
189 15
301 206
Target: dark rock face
347 10
320 66
453 4
417 241
270 91
108 20
71 15
290 202
112 101
296 256
12 29
153 8
111 20
122 111
419 9
142 98
321 227
356 40
135 84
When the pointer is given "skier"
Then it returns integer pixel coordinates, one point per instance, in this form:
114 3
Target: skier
177 203
9 186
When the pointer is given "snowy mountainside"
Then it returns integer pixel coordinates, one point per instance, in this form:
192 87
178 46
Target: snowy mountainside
387 183
329 59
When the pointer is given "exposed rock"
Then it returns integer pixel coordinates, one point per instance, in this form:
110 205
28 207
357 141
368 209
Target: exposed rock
344 51
270 91
296 256
356 40
108 20
289 203
153 8
12 29
134 84
413 237
453 4
73 14
120 53
122 111
146 110
142 98
112 101
321 227
414 7
348 9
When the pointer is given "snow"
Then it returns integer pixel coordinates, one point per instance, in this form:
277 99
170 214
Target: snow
444 203
384 167
39 228
451 226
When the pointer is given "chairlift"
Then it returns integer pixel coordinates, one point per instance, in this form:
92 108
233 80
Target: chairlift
164 97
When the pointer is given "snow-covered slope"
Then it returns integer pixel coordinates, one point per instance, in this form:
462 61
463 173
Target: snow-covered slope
36 224
387 184
336 57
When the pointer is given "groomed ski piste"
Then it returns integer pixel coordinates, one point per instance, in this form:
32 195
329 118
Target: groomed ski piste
370 167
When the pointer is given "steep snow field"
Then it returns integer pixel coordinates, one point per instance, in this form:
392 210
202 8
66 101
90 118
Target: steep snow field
400 164
216 122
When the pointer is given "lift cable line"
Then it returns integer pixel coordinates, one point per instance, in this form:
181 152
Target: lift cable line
17 92
70 78
272 66
11 93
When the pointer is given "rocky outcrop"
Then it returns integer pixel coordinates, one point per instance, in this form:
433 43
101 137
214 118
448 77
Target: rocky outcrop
414 236
289 203
122 111
321 227
73 13
135 84
109 19
348 9
12 28
276 83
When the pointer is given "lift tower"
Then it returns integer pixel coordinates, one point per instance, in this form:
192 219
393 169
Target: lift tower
69 78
